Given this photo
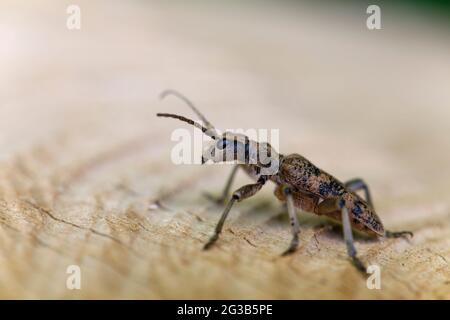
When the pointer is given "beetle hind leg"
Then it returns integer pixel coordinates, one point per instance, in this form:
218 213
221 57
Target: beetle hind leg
398 234
359 184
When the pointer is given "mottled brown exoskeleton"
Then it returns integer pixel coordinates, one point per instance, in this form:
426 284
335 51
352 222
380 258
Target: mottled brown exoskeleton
299 183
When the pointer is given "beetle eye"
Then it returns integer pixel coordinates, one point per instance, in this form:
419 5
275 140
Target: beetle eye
222 144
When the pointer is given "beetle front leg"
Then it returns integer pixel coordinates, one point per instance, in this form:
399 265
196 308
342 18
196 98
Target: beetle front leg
293 220
240 194
226 189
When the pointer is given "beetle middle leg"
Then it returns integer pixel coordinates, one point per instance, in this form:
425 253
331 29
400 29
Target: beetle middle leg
358 184
240 194
226 190
293 220
331 205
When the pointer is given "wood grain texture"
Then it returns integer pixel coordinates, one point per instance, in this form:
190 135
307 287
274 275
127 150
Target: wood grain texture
85 170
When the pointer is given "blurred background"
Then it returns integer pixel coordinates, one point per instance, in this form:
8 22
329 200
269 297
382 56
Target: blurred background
80 139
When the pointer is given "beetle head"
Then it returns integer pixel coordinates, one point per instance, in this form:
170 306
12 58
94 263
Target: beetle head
238 148
229 147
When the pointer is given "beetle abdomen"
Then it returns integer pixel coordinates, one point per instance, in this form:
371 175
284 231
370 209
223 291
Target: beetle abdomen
300 173
362 216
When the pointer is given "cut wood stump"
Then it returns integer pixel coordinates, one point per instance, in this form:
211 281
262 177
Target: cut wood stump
86 177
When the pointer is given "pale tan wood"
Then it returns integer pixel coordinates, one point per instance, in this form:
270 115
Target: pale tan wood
85 171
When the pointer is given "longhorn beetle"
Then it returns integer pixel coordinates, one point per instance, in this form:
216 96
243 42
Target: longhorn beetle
299 183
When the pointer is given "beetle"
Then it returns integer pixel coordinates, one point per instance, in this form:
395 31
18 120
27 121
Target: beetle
298 183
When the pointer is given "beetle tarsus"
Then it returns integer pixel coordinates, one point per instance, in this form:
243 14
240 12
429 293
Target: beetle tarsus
211 241
358 264
398 234
292 247
217 200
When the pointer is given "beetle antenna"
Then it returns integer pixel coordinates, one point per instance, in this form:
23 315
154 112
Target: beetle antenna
208 124
205 130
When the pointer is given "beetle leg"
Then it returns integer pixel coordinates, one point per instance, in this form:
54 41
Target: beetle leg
398 234
358 184
348 236
240 194
330 205
295 227
226 190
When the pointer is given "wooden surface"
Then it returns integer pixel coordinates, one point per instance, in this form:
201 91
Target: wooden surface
85 171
